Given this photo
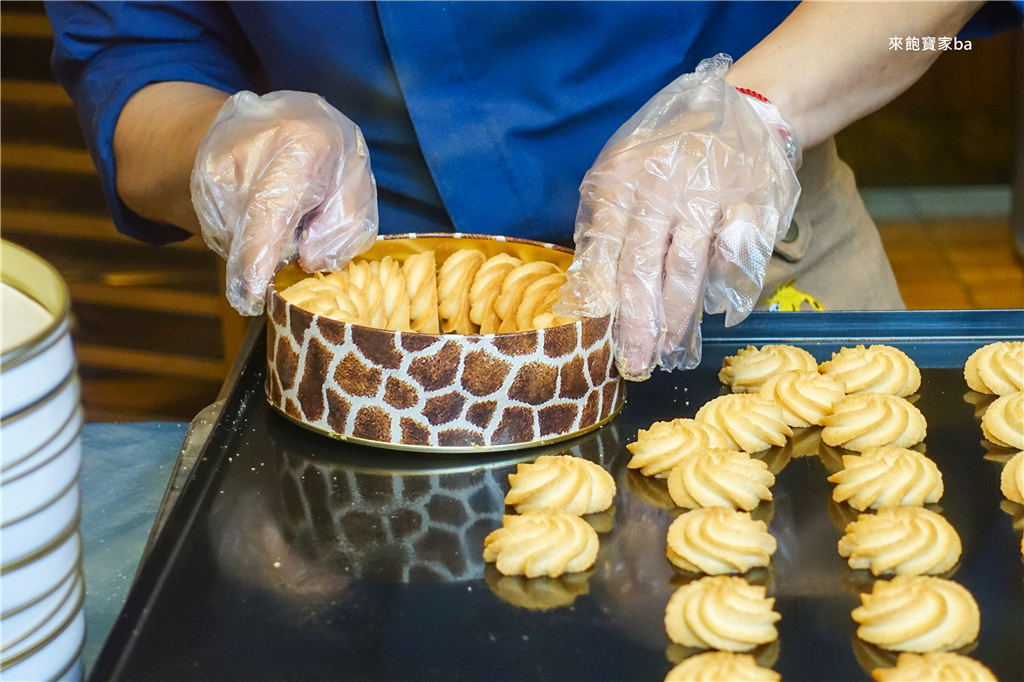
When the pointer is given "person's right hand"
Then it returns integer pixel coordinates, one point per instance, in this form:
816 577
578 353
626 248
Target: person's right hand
277 176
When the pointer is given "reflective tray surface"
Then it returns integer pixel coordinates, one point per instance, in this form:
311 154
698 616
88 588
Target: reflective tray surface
293 556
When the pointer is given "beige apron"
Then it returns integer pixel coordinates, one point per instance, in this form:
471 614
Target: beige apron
832 250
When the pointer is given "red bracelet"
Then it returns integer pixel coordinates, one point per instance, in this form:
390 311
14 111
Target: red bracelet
755 95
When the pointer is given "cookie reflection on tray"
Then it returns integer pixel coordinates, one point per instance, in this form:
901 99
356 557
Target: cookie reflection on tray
601 522
842 514
870 656
805 442
981 401
538 594
653 491
766 655
997 453
832 456
764 512
860 581
762 575
1016 512
775 457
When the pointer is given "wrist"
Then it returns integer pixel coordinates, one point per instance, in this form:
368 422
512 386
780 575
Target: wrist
154 152
774 119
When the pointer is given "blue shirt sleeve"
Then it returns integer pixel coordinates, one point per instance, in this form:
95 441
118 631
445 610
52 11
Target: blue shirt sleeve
994 17
104 52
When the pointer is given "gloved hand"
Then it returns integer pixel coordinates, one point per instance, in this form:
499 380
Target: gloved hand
281 175
680 212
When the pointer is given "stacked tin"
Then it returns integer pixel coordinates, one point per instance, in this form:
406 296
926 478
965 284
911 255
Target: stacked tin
42 590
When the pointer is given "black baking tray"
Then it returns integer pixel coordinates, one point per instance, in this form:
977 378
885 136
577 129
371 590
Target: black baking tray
289 555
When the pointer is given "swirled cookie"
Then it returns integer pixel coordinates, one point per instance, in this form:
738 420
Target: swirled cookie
420 270
805 397
1011 482
365 284
1003 423
538 594
751 367
573 484
546 320
875 369
721 612
715 540
541 542
901 540
538 299
343 281
715 666
996 369
321 296
887 477
513 288
934 666
918 613
720 478
752 422
454 280
394 295
867 420
485 290
665 444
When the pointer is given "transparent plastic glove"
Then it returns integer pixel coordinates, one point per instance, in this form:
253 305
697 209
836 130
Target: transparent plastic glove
680 213
277 176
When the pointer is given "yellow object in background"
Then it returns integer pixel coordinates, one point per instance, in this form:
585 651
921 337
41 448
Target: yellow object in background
788 298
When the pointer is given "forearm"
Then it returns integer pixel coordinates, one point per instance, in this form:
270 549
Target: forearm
829 63
155 143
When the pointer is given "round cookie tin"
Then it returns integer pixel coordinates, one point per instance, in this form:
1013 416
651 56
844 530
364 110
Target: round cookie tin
38 354
441 392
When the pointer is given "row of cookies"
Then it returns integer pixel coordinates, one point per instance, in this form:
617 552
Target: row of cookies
710 470
997 369
468 294
914 545
710 474
858 397
548 536
788 377
910 609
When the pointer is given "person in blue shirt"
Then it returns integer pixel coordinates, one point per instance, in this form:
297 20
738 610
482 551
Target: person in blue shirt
678 176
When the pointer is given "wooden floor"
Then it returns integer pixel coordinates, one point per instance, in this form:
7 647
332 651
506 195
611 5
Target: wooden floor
955 264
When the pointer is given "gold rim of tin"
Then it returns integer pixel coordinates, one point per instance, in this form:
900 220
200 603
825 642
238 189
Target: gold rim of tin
49 547
78 414
464 450
72 377
35 648
63 579
68 595
39 280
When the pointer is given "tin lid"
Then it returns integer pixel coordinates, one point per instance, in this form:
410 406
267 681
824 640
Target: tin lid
30 275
